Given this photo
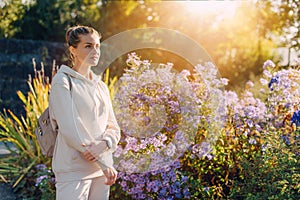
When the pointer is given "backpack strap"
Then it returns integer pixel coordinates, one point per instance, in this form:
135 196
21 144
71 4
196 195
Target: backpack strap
70 82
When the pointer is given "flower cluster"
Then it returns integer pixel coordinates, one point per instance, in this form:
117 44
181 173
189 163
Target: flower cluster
296 118
43 173
164 115
247 116
284 85
45 181
165 183
284 102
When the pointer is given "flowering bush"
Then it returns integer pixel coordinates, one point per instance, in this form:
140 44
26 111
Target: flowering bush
166 183
273 172
284 103
213 165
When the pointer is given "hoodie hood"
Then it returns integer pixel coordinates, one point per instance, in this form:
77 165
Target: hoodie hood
74 74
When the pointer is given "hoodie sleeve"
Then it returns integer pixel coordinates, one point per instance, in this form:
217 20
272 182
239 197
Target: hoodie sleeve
112 131
65 114
111 134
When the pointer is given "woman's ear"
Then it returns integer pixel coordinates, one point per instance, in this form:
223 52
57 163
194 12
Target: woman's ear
72 50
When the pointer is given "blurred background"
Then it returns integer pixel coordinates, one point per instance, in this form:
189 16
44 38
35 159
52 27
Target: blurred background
238 35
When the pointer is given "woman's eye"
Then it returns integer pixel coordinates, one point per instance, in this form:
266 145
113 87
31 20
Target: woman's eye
88 46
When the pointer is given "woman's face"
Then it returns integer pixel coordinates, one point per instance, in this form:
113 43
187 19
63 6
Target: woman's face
87 52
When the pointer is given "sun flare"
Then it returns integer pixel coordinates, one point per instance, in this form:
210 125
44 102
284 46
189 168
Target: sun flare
225 8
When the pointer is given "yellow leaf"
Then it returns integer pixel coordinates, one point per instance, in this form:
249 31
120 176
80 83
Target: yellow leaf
3 125
15 118
21 96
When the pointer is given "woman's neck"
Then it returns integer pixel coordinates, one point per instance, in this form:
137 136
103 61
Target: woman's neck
83 70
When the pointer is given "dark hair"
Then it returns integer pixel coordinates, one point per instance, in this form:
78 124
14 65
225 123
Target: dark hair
73 33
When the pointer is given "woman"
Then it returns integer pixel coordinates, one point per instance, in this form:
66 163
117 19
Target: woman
88 133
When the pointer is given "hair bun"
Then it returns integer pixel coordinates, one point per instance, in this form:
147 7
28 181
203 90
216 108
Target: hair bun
68 33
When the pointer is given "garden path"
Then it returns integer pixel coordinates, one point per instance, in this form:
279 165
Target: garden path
6 192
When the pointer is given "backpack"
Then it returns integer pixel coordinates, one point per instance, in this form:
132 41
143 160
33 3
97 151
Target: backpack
45 134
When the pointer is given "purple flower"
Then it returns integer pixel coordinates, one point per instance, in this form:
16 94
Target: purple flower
186 193
252 141
296 118
178 195
163 192
175 188
173 176
141 196
123 184
209 156
150 185
40 179
41 167
249 122
206 189
274 79
184 179
265 147
176 164
286 139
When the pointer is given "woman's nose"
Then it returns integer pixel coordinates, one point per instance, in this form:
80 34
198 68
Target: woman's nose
96 49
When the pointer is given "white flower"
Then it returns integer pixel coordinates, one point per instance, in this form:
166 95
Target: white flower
267 74
250 84
268 63
224 81
264 81
185 73
252 141
170 150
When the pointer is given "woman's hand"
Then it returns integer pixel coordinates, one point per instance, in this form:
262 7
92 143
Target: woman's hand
87 155
94 150
111 175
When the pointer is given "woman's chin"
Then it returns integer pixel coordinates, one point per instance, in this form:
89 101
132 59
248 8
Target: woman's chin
94 62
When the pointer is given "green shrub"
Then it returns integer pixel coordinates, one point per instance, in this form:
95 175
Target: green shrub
17 134
273 174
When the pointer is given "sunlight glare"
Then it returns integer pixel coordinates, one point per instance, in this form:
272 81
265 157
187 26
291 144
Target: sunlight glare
224 8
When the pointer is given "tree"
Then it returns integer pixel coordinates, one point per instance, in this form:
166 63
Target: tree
282 17
46 19
11 11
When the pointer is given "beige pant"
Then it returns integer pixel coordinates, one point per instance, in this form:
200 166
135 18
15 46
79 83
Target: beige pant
90 189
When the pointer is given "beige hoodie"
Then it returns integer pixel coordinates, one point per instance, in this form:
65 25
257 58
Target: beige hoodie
82 115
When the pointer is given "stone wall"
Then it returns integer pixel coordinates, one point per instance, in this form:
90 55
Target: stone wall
16 64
